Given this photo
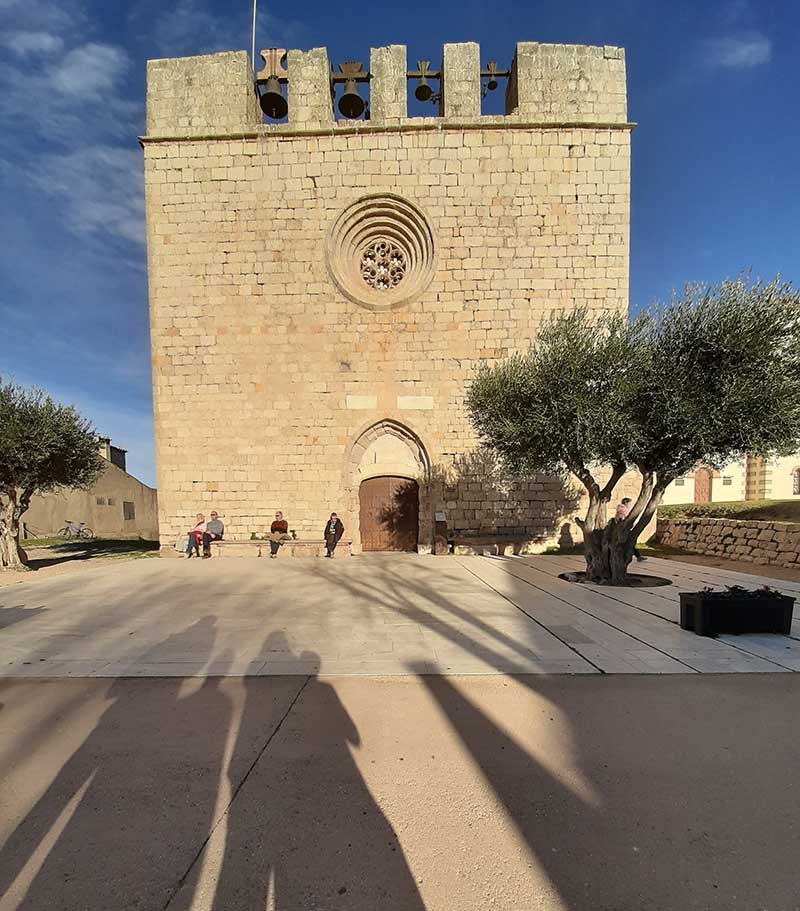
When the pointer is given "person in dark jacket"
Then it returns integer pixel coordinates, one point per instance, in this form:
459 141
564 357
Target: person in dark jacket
332 533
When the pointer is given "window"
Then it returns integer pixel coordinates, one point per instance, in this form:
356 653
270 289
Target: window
101 501
112 501
796 482
679 482
128 511
726 482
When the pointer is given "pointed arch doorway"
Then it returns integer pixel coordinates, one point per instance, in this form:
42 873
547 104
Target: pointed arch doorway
386 463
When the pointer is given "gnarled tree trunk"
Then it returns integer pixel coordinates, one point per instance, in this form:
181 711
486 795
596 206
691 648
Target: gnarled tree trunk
12 557
609 543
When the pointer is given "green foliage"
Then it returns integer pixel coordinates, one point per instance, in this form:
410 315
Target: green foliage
561 404
761 510
706 379
44 444
720 377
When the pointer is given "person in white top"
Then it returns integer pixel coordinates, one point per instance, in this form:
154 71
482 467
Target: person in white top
196 536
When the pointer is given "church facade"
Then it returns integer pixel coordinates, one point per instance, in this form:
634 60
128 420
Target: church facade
322 290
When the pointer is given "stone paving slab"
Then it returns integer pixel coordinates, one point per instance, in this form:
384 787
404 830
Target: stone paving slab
362 616
744 653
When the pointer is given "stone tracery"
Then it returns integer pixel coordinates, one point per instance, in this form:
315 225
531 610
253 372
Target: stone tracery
383 265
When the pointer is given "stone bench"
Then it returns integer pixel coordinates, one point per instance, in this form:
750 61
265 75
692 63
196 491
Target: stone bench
295 548
489 545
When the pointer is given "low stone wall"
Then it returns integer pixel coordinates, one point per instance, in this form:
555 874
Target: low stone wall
777 543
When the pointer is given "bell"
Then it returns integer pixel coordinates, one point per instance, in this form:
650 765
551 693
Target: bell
273 104
491 68
423 91
351 104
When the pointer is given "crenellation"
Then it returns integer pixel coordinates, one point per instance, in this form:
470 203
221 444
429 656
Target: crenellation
388 86
461 81
309 95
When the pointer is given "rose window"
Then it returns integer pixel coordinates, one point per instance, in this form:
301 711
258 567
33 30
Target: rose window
380 252
383 266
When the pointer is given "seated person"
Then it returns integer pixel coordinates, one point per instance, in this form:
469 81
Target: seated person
196 536
278 533
214 532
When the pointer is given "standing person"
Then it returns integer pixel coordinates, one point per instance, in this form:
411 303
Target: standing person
214 532
332 533
278 533
623 509
196 536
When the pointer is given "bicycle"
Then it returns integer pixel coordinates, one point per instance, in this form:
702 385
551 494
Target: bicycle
71 530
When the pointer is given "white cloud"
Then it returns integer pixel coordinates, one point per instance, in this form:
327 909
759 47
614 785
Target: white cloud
23 43
83 94
741 52
189 27
45 15
101 187
90 71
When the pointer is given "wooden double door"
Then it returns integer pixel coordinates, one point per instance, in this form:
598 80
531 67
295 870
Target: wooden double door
389 514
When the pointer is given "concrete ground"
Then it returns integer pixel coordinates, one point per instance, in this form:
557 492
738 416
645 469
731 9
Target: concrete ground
380 614
391 733
564 793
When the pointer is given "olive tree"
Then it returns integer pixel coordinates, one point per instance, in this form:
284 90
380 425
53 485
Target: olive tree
710 377
43 445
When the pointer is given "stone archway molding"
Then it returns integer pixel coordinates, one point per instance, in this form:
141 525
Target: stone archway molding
371 432
352 477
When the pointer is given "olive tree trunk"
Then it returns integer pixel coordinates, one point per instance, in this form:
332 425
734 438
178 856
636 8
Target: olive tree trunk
608 544
12 505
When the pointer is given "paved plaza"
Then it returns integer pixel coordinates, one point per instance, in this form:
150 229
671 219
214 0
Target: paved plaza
375 614
402 733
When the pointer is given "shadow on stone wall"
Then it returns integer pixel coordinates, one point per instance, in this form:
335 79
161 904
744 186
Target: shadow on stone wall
400 520
481 499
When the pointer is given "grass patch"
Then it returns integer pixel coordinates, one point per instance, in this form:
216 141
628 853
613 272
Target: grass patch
94 547
760 510
645 549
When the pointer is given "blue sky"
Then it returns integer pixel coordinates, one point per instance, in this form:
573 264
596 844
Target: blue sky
716 168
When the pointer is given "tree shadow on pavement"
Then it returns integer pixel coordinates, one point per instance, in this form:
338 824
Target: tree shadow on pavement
11 615
128 804
629 791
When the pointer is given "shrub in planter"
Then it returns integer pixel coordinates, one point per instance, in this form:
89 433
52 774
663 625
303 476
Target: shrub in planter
736 610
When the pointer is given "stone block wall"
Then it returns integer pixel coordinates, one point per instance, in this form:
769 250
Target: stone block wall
194 96
776 543
269 378
557 82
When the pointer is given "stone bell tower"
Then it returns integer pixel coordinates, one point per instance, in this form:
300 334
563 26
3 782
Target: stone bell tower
322 289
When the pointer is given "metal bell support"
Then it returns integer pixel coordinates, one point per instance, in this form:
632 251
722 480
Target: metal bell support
270 78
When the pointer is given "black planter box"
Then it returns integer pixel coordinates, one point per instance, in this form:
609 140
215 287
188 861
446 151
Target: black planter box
710 613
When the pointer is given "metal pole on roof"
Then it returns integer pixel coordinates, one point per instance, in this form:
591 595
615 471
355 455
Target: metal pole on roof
253 51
